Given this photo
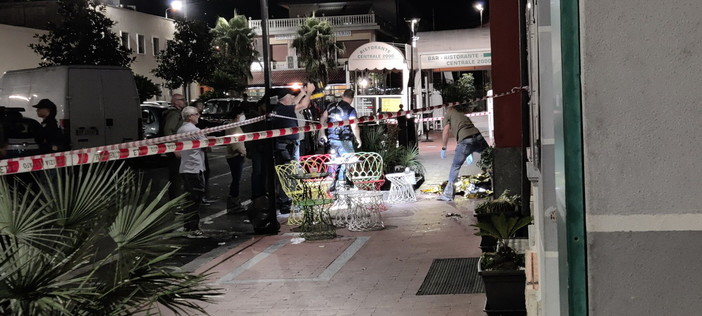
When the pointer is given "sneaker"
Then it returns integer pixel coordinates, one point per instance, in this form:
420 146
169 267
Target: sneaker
195 234
444 198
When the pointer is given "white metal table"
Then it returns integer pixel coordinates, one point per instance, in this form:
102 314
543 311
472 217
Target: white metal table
401 187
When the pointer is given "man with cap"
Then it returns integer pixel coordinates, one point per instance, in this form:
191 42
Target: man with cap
287 148
50 137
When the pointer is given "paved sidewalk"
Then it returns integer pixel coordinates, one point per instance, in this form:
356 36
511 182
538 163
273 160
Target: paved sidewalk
358 273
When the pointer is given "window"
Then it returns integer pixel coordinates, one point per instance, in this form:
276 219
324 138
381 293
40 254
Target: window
125 40
279 52
157 45
140 44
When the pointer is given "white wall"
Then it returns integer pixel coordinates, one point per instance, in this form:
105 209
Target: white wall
15 52
641 115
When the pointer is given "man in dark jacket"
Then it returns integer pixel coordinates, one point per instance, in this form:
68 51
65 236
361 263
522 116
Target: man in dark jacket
287 148
51 137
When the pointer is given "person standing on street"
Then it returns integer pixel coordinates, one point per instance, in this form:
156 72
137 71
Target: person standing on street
172 120
341 138
287 148
259 151
236 152
468 141
192 168
51 138
203 124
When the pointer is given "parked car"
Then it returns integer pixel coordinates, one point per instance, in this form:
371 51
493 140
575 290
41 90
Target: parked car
21 133
220 108
151 116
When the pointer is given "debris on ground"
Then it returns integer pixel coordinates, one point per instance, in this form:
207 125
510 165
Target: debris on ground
453 215
472 187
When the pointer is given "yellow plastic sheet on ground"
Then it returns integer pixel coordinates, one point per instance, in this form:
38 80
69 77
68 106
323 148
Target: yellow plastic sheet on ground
472 187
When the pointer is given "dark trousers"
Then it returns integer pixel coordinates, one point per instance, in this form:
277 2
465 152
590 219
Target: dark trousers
194 184
236 166
261 162
176 188
206 174
285 152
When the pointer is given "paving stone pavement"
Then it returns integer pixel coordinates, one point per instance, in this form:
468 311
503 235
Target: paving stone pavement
358 273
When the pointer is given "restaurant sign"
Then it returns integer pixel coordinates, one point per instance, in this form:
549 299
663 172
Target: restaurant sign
456 60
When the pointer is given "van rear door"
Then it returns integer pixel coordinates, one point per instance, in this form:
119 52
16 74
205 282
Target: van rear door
87 115
121 103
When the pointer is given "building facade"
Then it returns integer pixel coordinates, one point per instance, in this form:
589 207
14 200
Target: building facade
144 34
612 155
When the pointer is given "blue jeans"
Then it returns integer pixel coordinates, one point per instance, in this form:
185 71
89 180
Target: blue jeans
464 148
341 147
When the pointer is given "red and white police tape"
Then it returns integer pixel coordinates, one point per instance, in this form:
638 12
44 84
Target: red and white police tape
150 141
429 119
117 152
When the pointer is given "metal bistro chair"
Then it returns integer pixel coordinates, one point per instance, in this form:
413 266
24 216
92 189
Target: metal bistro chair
316 164
293 188
367 174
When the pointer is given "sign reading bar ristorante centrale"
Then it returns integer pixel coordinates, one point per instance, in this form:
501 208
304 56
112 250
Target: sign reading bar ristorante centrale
461 59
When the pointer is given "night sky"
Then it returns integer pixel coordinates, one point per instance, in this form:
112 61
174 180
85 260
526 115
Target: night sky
435 15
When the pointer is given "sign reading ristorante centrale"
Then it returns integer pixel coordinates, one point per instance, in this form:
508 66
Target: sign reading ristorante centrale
460 59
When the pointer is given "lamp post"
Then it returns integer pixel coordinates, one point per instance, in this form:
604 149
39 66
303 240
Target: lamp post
479 6
413 99
413 28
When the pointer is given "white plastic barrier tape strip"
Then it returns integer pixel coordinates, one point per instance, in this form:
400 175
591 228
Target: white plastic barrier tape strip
119 152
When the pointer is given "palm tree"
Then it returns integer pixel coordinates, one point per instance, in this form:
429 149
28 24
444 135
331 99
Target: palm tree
317 48
235 53
91 241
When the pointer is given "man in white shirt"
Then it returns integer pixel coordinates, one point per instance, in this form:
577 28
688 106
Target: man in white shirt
192 168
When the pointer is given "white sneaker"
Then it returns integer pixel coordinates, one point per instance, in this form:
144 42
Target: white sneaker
444 198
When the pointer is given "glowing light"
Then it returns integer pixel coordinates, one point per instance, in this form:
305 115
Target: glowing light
19 97
177 5
364 82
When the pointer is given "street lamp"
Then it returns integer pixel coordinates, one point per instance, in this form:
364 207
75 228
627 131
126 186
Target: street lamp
479 6
178 5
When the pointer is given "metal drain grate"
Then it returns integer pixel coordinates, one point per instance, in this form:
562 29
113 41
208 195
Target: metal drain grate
452 276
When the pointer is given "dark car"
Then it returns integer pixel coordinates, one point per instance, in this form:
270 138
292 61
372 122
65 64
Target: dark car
219 109
21 133
151 117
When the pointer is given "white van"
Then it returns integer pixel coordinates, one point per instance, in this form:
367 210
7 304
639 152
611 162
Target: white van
96 105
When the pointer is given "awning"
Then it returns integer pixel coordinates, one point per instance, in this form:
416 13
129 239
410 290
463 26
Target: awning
377 56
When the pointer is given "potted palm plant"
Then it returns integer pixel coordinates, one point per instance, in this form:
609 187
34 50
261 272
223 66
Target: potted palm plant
502 271
505 204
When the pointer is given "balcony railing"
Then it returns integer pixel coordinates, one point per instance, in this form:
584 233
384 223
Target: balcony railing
294 23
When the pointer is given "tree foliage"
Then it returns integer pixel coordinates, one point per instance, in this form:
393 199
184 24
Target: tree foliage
188 57
83 37
461 90
147 89
234 54
317 48
91 241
